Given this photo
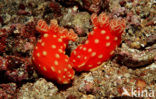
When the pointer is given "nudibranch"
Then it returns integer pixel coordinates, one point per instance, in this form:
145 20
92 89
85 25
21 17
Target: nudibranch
49 54
101 42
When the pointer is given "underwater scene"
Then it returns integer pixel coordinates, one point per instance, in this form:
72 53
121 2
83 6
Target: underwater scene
77 49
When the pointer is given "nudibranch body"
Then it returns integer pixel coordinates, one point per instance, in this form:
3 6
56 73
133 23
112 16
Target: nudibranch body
49 54
101 43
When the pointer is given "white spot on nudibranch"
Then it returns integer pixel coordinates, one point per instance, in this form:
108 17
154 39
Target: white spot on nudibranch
90 65
42 44
59 71
53 46
65 69
74 52
100 56
81 65
107 44
56 62
103 32
54 36
78 56
107 37
64 45
40 40
74 60
60 50
98 63
87 42
89 50
44 68
66 60
36 47
111 53
44 53
96 41
52 68
92 33
59 79
116 38
69 66
65 82
45 35
94 53
84 49
57 56
59 40
38 54
69 75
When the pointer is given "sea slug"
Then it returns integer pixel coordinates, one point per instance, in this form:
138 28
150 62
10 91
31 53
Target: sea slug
49 54
101 43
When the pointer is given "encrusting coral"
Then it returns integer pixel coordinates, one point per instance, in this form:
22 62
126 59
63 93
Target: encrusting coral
49 53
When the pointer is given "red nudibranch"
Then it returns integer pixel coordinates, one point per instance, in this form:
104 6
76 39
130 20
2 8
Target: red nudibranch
49 54
101 43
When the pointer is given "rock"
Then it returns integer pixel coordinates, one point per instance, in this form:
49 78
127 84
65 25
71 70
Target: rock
140 84
41 89
7 91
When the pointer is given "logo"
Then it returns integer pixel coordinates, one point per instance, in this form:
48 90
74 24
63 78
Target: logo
138 93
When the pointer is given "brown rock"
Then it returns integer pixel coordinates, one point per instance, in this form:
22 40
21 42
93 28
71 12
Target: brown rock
140 83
